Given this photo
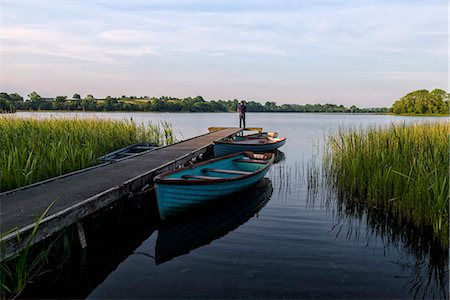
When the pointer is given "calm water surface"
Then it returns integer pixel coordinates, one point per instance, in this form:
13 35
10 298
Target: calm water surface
275 241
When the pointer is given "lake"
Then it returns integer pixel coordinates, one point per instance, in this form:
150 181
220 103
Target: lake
274 241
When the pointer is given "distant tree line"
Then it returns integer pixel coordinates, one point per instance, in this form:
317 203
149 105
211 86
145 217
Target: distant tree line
422 102
13 102
8 103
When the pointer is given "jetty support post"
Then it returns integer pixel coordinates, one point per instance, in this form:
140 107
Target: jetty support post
81 235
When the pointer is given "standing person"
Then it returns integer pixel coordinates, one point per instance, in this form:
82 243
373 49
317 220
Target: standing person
241 109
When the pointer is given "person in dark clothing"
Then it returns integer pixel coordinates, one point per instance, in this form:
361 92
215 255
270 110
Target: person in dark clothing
241 109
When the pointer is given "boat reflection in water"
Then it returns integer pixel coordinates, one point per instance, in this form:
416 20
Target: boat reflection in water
279 156
179 235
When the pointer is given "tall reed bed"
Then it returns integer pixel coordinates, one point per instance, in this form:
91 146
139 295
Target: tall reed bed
402 169
34 149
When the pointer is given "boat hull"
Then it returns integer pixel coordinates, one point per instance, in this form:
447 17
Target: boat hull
175 196
225 148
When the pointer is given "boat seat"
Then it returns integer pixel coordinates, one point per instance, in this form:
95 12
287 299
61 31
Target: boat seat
143 148
253 161
237 172
199 177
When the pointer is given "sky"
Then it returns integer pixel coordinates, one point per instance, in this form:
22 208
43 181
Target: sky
366 53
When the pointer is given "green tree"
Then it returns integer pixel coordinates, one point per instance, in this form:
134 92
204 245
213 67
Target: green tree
76 96
60 99
16 97
198 99
5 96
33 96
422 102
6 105
270 106
110 103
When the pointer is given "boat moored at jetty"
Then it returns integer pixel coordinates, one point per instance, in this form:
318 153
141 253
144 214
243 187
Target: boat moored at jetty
128 151
240 143
203 183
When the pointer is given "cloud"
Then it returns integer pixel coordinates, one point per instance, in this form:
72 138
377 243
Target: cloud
340 29
271 43
51 42
124 36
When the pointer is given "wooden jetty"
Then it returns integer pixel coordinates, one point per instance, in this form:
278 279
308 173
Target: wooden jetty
79 194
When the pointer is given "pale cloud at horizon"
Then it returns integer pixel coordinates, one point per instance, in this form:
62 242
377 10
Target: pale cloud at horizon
366 53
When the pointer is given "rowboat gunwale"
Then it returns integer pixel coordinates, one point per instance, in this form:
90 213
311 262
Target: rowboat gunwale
261 135
270 141
161 178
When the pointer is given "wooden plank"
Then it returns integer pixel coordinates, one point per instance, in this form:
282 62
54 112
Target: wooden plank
84 192
214 129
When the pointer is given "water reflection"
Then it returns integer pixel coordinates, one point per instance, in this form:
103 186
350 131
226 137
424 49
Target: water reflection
180 235
297 255
420 254
288 179
279 156
429 267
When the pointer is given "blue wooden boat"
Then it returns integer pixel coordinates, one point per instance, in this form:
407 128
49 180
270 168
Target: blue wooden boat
179 236
204 183
239 144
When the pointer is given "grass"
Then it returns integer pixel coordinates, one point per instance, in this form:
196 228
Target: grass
402 170
33 149
18 269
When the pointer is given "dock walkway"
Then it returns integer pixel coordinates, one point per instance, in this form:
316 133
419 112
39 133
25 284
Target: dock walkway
81 193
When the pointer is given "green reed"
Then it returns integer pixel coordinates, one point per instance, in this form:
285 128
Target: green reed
34 149
18 269
402 169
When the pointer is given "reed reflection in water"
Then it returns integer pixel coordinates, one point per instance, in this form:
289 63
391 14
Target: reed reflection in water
181 234
288 178
423 256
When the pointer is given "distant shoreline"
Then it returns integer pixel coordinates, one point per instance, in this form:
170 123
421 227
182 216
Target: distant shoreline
221 112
